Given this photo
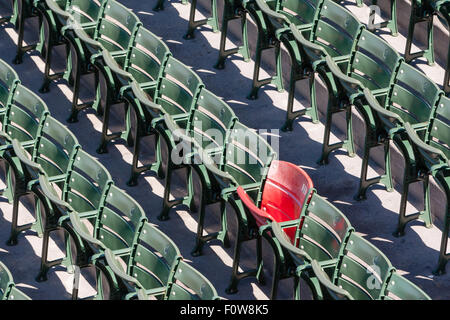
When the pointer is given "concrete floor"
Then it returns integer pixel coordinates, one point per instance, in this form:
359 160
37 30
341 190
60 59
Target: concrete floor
415 254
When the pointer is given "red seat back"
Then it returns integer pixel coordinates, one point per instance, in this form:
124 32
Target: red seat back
285 191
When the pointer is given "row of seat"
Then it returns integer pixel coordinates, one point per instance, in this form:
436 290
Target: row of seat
235 157
325 39
73 192
303 12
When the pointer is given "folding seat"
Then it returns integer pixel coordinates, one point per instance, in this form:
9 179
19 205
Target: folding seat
432 143
187 284
319 234
424 11
373 65
176 94
286 190
400 288
70 14
193 24
22 120
207 129
245 162
334 33
413 100
8 289
150 264
277 16
114 224
84 187
360 273
143 64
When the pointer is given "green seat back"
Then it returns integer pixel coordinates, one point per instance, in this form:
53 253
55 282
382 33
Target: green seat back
119 220
177 88
413 95
147 57
86 11
323 230
400 288
25 114
336 30
299 11
211 120
117 27
155 258
247 156
362 269
189 284
86 184
374 62
439 132
8 79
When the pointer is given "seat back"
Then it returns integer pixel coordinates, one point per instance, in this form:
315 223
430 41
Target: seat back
362 269
117 27
155 258
373 63
438 135
119 220
8 81
189 284
322 230
210 121
86 186
178 88
25 115
400 288
55 147
86 11
299 11
147 57
247 157
413 96
336 30
16 294
286 190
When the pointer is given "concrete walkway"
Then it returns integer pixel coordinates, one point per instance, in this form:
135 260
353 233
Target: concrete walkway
415 254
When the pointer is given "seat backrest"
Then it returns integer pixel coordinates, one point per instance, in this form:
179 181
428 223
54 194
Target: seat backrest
413 96
400 288
189 284
374 62
210 121
300 11
55 147
117 27
147 57
178 88
285 192
337 29
86 186
323 229
6 281
155 258
362 269
438 135
86 11
8 81
119 220
247 157
25 115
